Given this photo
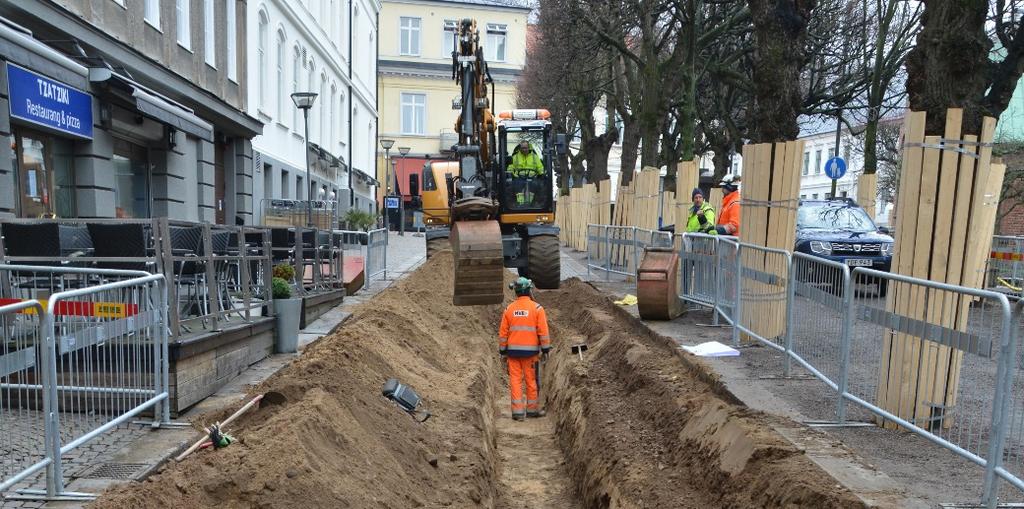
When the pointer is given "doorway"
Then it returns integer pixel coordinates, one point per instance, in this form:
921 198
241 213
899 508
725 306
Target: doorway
44 166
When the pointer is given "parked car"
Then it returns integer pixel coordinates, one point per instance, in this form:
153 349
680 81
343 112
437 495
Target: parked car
840 230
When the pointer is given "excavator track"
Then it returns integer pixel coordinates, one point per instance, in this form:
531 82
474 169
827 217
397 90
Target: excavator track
479 268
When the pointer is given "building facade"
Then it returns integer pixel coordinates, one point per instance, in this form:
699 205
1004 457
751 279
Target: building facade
415 73
125 108
328 47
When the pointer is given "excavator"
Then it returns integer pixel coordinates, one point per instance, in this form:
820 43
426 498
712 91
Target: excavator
490 216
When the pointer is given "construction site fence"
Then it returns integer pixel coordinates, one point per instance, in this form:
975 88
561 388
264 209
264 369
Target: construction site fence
619 249
1004 269
838 324
83 351
373 246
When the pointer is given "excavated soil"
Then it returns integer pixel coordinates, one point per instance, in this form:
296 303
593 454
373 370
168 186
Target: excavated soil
634 424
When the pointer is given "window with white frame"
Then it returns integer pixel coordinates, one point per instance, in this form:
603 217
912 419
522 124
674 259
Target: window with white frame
209 33
261 58
296 73
409 36
232 36
151 12
182 24
414 112
496 42
279 96
451 32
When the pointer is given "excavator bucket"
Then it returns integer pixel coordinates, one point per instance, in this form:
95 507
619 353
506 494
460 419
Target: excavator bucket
479 271
657 285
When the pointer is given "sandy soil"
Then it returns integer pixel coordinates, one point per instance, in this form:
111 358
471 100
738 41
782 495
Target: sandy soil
632 425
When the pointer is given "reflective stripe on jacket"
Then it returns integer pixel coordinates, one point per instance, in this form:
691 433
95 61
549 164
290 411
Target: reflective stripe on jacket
524 329
730 217
694 226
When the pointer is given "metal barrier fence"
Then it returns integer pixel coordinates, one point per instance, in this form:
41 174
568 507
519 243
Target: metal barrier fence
84 352
966 369
620 248
1004 270
373 246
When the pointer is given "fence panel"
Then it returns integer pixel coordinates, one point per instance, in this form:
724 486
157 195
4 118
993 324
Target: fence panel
104 336
376 254
933 361
728 280
1005 265
23 450
763 285
597 248
698 269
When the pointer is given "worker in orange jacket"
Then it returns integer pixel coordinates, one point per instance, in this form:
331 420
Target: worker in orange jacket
522 338
729 215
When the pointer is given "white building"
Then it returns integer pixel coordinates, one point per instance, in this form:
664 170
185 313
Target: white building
328 47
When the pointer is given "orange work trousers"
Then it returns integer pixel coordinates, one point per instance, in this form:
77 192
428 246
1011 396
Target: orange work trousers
519 368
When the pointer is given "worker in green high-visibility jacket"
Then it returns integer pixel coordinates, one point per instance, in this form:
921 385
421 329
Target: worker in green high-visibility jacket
526 166
702 215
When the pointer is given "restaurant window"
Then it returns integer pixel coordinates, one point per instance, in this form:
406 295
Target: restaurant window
131 180
45 173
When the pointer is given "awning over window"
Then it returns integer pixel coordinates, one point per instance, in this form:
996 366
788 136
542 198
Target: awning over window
153 105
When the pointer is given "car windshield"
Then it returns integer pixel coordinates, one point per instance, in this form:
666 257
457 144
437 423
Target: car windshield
833 216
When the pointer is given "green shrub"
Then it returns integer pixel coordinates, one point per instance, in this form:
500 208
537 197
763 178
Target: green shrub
360 220
284 271
280 288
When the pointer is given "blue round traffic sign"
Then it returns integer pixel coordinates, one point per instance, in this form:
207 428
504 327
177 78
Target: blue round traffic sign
835 168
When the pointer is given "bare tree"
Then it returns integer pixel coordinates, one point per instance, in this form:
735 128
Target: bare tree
969 54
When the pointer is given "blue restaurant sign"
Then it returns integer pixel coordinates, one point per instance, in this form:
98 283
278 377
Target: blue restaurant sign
42 101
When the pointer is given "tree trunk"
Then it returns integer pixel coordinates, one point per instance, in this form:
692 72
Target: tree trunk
722 161
871 144
630 145
780 28
597 150
948 66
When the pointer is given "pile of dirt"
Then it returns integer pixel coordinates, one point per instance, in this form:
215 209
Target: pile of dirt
336 442
632 425
643 426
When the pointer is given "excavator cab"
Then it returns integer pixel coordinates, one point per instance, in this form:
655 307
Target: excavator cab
525 179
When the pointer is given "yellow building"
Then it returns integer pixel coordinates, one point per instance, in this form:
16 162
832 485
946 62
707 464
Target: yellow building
415 86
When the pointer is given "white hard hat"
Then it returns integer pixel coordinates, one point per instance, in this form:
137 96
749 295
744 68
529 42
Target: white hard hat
729 180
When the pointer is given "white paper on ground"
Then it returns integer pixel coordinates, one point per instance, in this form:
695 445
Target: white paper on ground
711 349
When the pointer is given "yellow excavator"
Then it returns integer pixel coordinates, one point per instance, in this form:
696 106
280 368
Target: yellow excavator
490 215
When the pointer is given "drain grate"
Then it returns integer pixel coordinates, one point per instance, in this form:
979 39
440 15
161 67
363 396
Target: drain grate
122 471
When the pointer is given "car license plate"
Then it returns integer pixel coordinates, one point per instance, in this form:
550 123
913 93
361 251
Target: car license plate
858 262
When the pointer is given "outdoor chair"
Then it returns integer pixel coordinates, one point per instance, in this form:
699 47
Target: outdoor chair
122 240
187 242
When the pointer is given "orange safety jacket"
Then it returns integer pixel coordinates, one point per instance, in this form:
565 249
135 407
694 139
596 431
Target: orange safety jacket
730 213
524 329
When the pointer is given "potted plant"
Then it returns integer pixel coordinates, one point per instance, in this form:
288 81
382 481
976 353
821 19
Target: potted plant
287 310
360 221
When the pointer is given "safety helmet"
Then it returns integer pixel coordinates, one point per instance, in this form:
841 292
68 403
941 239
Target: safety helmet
521 286
729 182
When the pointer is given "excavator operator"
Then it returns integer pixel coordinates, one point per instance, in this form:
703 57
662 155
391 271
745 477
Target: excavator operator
526 169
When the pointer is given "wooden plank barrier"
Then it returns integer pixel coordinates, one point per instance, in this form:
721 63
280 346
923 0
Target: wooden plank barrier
947 185
770 186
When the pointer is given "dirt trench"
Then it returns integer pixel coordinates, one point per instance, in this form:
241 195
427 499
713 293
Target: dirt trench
632 425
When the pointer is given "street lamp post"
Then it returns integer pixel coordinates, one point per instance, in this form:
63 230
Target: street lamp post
304 101
387 144
401 195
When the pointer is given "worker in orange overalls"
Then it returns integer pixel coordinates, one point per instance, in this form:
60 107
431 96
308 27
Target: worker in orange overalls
523 338
729 215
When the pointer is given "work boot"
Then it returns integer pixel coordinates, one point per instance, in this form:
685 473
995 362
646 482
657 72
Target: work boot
538 413
518 417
